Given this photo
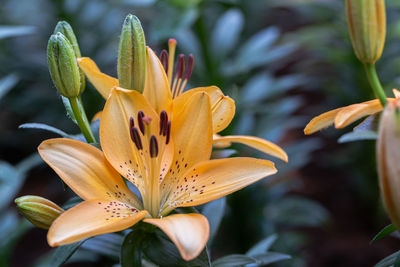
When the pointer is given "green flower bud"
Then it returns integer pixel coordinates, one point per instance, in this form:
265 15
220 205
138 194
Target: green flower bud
66 29
63 67
39 211
132 55
367 26
388 154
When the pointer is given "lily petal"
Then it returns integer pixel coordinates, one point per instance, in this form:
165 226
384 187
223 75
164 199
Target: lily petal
396 93
322 121
355 112
102 82
191 133
189 232
116 142
85 170
223 107
156 88
213 179
257 143
91 218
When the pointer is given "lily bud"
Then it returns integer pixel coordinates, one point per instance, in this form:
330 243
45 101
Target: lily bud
39 211
63 67
367 26
132 55
388 155
66 29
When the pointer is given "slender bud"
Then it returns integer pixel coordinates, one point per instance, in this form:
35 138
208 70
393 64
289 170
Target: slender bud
388 154
367 26
64 70
132 55
39 211
66 29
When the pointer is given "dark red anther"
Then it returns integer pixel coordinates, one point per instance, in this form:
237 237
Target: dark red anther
131 123
153 147
189 70
180 66
164 59
135 136
168 132
140 116
163 122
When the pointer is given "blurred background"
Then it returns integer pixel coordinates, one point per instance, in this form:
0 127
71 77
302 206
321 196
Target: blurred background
282 61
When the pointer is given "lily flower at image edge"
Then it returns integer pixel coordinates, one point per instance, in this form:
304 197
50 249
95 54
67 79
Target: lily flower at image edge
344 116
164 90
169 163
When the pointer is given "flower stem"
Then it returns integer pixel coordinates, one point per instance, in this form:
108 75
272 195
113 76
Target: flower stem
375 83
82 119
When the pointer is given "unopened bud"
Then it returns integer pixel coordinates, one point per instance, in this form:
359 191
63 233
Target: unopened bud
367 26
388 155
63 66
39 211
132 55
66 29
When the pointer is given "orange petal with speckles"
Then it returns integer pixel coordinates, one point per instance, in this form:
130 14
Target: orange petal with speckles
213 179
189 232
102 82
85 170
91 218
223 107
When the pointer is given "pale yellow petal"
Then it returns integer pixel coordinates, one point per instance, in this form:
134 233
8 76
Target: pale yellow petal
322 121
115 138
260 144
189 232
191 133
213 179
352 113
85 170
102 82
156 88
223 107
91 218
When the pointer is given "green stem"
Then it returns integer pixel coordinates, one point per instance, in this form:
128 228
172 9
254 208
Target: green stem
375 83
82 119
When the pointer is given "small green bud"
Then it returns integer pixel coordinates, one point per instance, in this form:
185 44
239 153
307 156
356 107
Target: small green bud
63 67
39 211
367 26
132 55
66 29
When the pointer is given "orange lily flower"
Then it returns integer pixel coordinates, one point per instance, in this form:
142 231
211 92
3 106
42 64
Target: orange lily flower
168 162
165 92
344 116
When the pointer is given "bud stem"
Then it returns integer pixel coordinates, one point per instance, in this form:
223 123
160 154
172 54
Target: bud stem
82 119
375 83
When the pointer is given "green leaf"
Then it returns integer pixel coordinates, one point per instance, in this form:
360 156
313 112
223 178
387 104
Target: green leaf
13 31
384 232
131 250
262 246
7 83
257 260
10 182
160 250
389 261
63 253
108 245
68 108
214 211
358 136
45 127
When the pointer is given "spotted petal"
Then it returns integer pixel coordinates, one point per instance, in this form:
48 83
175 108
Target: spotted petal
115 138
91 218
85 170
223 107
156 88
352 113
102 82
213 179
257 143
189 232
